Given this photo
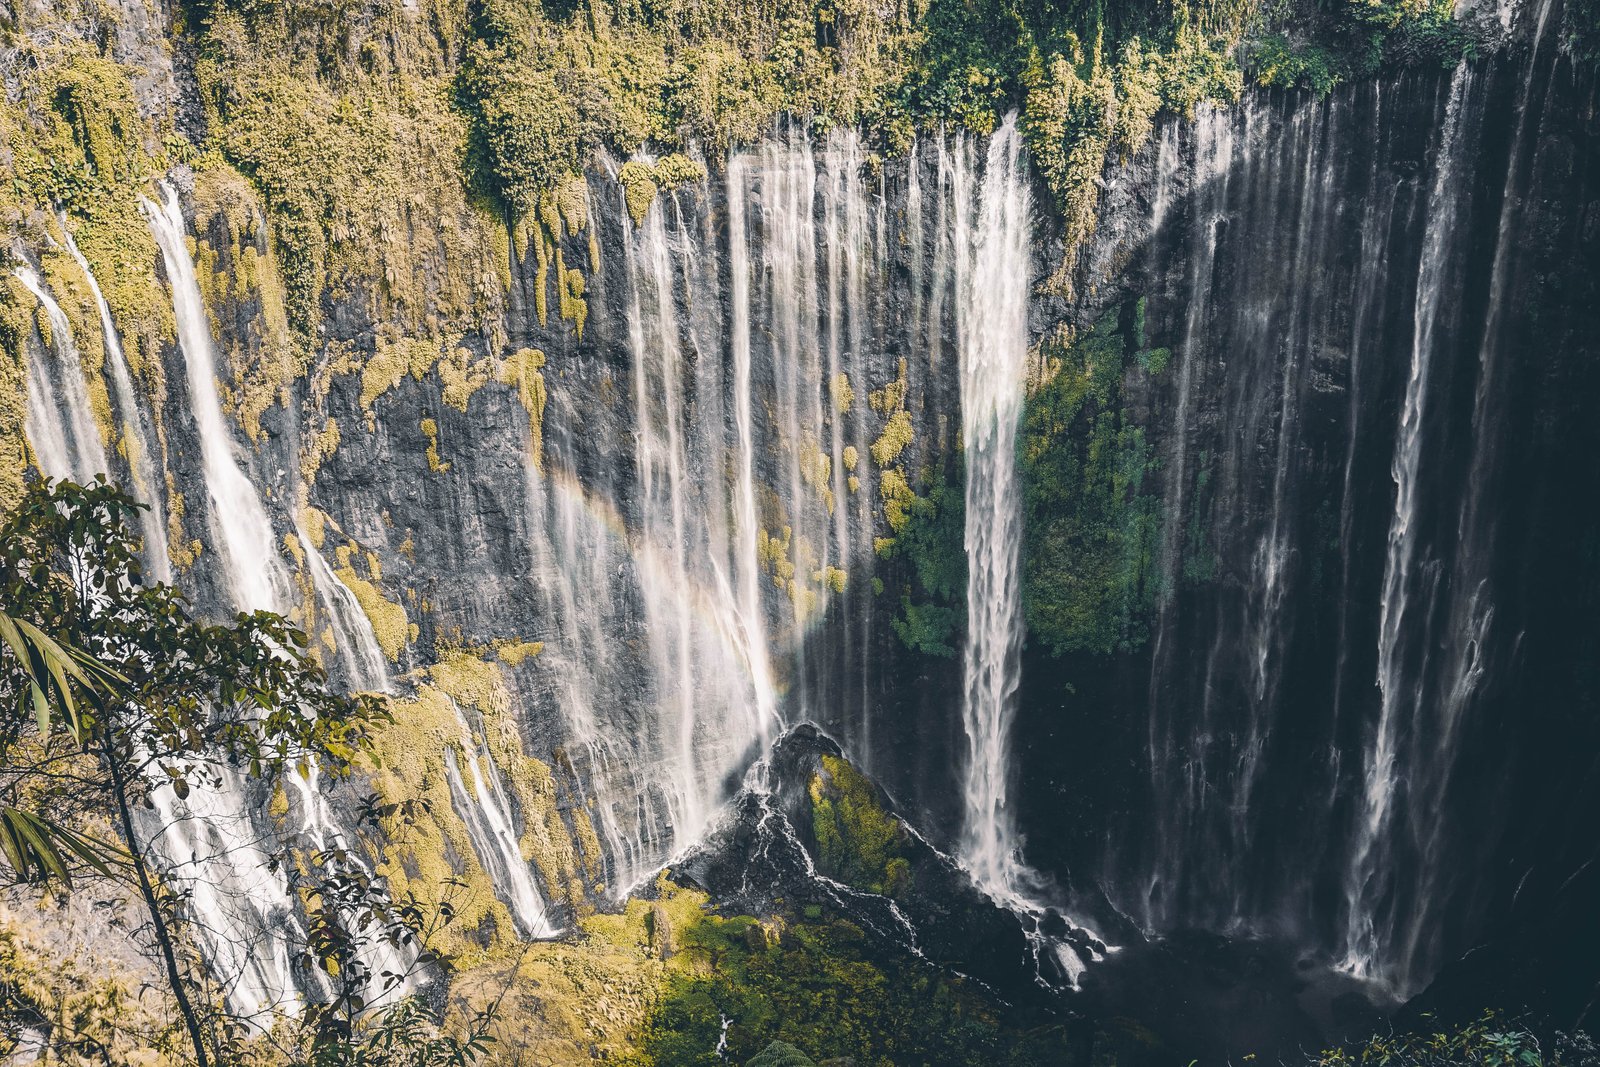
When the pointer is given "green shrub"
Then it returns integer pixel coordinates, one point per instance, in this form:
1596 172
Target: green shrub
1488 1041
931 538
1091 528
781 1054
1279 62
525 130
858 842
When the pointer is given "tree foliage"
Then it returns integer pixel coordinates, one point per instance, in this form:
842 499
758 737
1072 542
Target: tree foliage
110 690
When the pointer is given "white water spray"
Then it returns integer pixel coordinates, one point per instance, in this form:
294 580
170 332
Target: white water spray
243 532
993 321
60 422
1401 690
147 482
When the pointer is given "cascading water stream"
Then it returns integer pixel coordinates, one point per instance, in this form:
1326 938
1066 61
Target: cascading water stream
147 482
580 562
1371 870
993 325
745 523
487 813
390 968
60 422
1314 634
750 495
1468 632
239 904
1214 138
355 642
992 284
243 532
232 898
660 454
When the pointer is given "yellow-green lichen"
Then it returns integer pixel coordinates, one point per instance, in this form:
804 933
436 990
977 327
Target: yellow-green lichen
314 524
391 361
897 498
388 619
296 550
430 430
639 189
241 284
321 446
816 467
773 553
572 200
897 434
898 431
182 552
461 376
677 169
843 395
522 369
512 653
542 253
15 322
891 396
545 841
426 851
588 997
641 182
858 842
574 308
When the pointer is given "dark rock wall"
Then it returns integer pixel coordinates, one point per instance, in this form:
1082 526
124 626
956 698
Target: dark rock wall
1219 775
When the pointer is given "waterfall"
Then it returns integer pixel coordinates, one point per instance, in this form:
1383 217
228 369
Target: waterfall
238 903
487 813
233 898
993 317
147 481
235 902
1179 794
242 531
1469 635
746 565
1372 867
60 423
579 576
740 506
1368 310
389 967
356 644
661 455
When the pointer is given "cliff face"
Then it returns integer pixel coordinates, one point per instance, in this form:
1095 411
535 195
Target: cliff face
607 496
600 500
1337 710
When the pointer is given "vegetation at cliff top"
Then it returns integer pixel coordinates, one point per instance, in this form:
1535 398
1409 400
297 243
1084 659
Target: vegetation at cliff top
394 157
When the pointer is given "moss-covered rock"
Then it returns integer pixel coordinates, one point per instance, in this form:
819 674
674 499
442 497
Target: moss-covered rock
858 842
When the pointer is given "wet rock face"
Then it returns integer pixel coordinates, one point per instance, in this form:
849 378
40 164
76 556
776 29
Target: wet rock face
1221 774
1278 249
599 513
1347 709
805 841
